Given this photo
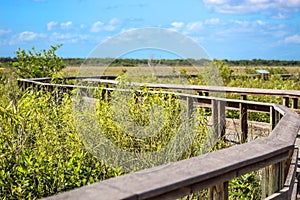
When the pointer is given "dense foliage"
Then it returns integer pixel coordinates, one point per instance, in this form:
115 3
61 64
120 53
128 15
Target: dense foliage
262 62
32 64
41 151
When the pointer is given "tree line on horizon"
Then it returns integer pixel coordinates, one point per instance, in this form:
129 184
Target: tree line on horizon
131 62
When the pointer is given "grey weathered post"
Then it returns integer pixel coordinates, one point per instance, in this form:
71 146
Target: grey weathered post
273 175
286 101
190 106
221 118
273 179
214 110
218 192
218 117
295 103
243 120
274 117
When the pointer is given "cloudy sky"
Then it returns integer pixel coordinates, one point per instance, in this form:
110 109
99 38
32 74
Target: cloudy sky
226 29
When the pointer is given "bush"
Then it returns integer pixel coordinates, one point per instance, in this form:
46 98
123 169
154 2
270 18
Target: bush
34 64
41 152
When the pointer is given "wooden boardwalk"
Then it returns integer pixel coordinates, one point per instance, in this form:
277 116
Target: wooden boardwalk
276 154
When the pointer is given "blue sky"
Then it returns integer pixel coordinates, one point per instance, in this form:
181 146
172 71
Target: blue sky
226 29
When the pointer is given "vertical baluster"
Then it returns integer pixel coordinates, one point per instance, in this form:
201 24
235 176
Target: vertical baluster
218 192
243 120
286 101
295 103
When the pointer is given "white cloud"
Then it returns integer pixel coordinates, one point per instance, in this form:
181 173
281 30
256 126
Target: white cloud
258 1
100 26
97 27
260 22
253 24
212 21
54 25
26 36
51 25
66 25
67 37
215 1
187 28
109 27
293 39
2 31
114 21
250 6
193 27
280 16
177 25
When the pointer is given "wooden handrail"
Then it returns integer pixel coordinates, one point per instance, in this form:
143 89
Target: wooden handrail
285 94
221 89
185 177
271 154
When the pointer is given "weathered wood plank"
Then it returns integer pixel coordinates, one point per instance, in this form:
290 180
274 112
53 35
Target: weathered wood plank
221 89
273 117
286 101
222 118
190 106
295 103
204 89
218 192
215 120
244 120
288 191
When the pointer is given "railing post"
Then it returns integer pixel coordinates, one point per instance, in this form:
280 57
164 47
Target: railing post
218 117
221 118
214 110
286 101
218 192
273 179
190 107
274 117
243 120
295 103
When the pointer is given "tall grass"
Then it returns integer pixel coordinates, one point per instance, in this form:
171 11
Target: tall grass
43 153
40 150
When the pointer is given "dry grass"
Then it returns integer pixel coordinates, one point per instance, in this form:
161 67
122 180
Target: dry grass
161 70
290 69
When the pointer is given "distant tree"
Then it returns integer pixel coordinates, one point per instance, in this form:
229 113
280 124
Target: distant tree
224 70
32 64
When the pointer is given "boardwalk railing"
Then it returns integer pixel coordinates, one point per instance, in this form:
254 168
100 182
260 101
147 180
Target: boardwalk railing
274 155
201 90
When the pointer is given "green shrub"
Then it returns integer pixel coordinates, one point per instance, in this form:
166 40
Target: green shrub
245 187
32 64
41 152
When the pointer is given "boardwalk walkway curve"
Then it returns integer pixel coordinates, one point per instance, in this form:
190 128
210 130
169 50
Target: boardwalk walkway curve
276 154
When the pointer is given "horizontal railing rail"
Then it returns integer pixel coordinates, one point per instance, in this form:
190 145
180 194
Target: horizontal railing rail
210 170
275 155
201 90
